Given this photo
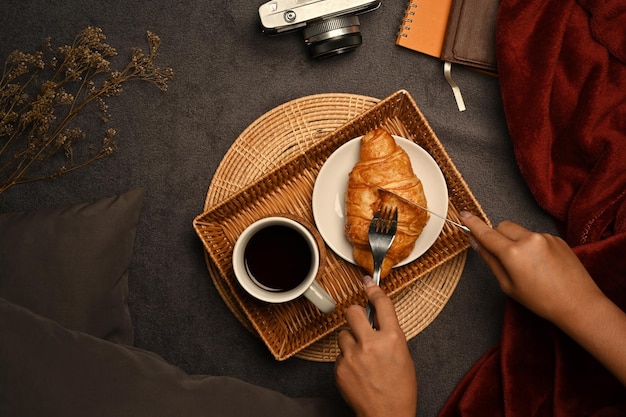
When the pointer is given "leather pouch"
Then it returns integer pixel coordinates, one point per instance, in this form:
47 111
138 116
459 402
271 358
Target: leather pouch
471 34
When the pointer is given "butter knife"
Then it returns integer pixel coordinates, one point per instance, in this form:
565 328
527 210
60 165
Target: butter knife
464 228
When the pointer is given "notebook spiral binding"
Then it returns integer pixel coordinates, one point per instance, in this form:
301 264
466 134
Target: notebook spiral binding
405 24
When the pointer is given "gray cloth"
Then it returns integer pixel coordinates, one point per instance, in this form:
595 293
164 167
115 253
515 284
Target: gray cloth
47 370
227 74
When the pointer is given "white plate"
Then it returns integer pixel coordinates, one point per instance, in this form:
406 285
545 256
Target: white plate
330 188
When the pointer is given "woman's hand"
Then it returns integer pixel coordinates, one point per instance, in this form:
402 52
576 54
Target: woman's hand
542 272
538 270
375 371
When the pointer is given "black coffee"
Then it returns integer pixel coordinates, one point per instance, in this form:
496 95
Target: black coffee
278 258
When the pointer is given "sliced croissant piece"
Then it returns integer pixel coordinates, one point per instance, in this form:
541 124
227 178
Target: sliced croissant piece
383 163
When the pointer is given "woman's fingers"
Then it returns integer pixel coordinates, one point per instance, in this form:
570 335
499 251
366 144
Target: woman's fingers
357 320
512 230
489 243
385 311
483 234
495 240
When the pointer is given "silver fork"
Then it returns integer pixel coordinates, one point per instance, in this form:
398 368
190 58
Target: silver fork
381 234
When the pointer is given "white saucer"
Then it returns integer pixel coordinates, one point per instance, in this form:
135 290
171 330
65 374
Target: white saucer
330 188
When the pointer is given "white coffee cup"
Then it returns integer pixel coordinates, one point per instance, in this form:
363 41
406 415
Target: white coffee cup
277 259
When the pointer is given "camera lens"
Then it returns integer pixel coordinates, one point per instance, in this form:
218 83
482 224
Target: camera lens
333 36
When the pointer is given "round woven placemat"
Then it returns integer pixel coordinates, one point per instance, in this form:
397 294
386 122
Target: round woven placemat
286 131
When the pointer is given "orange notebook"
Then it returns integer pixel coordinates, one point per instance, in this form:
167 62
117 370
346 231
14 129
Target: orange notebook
423 28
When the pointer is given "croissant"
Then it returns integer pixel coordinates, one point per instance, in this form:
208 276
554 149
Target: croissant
383 163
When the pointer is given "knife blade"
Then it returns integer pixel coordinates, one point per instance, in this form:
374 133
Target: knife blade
406 200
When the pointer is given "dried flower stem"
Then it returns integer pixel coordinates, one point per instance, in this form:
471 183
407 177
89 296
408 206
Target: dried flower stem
36 115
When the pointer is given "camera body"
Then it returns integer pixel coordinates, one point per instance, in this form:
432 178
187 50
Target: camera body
330 27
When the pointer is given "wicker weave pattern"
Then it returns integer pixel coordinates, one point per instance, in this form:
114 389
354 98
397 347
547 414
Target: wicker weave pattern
289 328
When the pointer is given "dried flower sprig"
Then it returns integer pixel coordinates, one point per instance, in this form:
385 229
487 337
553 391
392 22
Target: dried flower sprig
41 95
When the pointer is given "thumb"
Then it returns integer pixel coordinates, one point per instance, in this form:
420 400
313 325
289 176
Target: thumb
383 306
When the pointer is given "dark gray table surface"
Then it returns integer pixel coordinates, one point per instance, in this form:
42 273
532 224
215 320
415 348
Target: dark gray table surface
227 74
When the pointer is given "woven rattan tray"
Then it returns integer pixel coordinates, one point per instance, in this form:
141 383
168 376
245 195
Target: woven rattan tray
297 328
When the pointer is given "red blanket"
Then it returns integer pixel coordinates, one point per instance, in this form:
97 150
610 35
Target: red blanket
562 66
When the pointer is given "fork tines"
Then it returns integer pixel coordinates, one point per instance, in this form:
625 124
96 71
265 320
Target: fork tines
386 219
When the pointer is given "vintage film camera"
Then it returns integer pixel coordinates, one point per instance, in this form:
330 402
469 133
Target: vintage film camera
329 27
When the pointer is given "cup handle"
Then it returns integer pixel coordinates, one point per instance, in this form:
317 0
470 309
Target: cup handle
318 296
